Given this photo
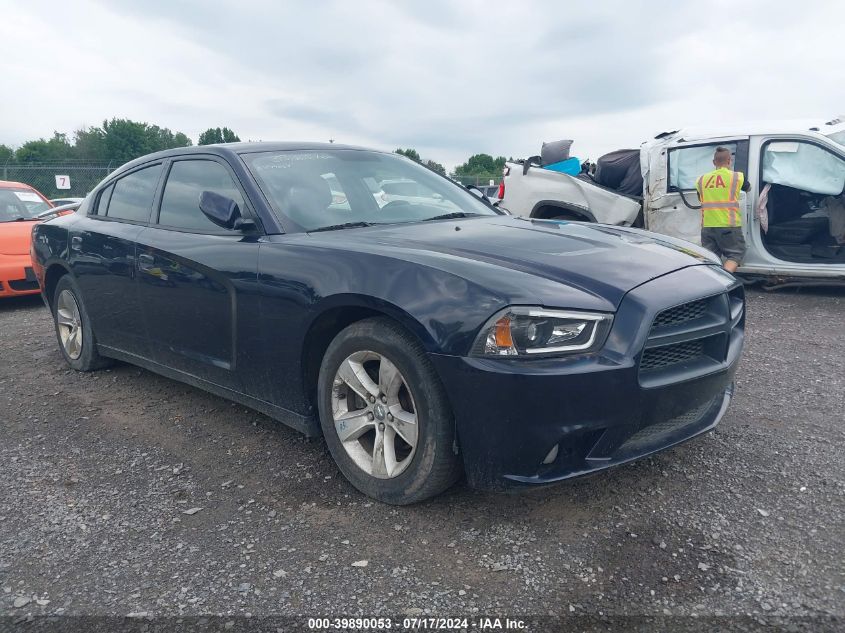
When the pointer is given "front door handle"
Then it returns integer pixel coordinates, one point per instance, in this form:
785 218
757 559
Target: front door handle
76 243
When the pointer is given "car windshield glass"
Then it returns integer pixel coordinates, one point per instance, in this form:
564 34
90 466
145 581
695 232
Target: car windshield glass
20 204
347 188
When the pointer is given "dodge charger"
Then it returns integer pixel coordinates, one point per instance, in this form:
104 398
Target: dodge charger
426 337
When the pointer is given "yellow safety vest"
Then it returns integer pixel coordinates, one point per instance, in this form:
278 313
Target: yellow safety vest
718 191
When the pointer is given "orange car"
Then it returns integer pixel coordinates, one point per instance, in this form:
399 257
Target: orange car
20 206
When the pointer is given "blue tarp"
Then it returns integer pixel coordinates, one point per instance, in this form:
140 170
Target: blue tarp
571 166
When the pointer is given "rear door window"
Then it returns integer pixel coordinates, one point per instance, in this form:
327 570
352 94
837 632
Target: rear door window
686 164
187 180
132 198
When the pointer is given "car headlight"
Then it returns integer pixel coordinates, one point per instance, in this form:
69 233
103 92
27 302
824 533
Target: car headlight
527 331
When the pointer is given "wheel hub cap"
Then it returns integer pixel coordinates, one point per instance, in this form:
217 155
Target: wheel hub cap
374 414
69 324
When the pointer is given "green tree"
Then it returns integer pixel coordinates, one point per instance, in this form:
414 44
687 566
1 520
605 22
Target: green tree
125 140
90 144
218 135
6 152
481 165
56 148
414 155
409 153
433 166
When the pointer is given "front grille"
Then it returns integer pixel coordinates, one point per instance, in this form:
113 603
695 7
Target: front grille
681 314
655 434
692 339
659 357
23 284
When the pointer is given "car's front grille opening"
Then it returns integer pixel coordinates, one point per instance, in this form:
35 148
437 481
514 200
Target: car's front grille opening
681 314
659 433
659 357
23 284
691 339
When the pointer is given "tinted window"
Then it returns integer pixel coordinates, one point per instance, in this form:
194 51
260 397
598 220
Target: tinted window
103 202
187 180
132 197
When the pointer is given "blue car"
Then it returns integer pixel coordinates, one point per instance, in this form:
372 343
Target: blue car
425 338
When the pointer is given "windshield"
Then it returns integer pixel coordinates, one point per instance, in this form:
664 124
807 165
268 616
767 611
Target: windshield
20 204
321 189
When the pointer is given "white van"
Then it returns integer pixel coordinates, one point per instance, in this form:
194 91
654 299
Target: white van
793 217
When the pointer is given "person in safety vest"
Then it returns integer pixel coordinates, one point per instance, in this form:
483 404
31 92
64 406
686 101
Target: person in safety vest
721 216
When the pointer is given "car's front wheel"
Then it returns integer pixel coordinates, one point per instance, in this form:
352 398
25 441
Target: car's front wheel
73 328
385 415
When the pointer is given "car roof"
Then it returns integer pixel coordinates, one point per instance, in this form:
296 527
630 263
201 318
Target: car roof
753 128
11 184
232 149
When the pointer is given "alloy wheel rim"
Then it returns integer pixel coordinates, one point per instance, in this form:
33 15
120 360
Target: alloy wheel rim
374 414
69 324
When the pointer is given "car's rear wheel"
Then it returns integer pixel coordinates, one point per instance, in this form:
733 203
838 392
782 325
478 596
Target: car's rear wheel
385 415
73 328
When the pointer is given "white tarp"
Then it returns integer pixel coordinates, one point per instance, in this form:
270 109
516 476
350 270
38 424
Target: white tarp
803 166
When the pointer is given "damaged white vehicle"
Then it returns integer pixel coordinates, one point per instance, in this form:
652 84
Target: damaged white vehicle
793 217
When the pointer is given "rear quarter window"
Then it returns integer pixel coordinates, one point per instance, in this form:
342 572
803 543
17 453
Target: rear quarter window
103 201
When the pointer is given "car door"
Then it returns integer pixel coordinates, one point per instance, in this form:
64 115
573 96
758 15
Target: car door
192 274
677 210
803 179
102 257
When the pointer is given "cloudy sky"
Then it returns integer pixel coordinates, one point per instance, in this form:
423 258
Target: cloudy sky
446 77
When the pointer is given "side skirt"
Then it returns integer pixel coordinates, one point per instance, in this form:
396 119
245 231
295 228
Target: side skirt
302 423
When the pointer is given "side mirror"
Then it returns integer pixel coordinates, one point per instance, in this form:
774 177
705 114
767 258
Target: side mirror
223 211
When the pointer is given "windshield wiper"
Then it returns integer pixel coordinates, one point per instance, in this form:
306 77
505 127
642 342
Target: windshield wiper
22 219
345 225
450 216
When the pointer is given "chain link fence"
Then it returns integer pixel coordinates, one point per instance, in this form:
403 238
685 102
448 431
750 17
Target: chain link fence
480 180
60 179
74 179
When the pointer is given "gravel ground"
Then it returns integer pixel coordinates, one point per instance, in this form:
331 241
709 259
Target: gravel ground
123 492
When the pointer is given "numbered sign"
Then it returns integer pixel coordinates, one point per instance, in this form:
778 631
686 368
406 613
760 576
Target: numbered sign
62 182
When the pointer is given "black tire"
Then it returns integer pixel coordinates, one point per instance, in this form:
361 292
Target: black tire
567 217
89 359
435 464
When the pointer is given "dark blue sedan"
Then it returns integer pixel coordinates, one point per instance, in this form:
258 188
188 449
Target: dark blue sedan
356 295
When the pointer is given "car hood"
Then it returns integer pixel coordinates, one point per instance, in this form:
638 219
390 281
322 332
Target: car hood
600 260
15 237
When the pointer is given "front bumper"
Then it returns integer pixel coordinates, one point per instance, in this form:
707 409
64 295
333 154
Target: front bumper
539 421
16 276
